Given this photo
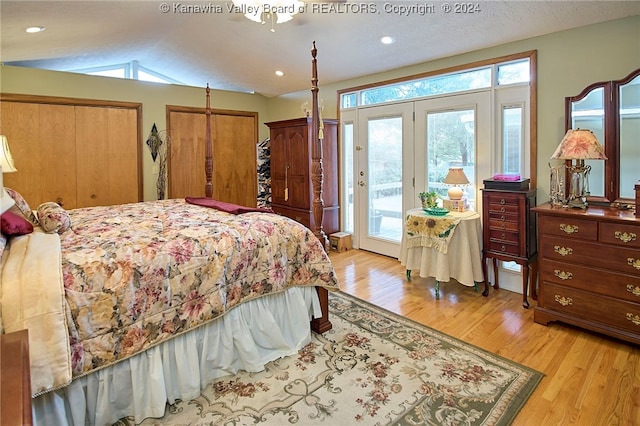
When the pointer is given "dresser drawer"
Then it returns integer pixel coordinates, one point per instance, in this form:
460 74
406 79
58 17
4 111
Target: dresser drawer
503 217
503 225
503 236
497 208
568 227
585 253
497 200
600 281
504 247
620 234
582 304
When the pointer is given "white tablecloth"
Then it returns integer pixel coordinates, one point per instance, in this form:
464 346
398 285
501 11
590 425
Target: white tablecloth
463 260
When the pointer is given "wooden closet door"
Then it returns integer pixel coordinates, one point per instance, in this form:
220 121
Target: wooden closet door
42 142
235 159
234 147
186 155
107 156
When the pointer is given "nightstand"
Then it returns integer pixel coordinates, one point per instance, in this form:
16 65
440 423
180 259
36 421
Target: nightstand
15 379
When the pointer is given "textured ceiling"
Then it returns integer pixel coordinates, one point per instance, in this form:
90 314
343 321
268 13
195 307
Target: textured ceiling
231 52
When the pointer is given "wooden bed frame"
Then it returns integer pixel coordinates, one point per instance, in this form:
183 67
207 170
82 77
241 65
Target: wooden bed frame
322 324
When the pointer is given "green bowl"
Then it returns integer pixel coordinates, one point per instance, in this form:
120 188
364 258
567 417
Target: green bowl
435 211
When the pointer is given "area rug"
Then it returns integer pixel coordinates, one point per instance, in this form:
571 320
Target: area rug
373 368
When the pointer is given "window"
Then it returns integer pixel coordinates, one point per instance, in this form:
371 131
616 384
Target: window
131 70
512 138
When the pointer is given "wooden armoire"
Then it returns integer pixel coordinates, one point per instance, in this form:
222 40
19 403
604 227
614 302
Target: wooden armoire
291 164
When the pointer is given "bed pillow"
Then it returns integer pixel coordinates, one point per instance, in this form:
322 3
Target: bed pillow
22 207
53 218
14 224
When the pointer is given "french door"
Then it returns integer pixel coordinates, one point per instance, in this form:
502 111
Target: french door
403 149
453 131
383 168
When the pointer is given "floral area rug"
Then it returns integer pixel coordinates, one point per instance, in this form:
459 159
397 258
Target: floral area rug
373 368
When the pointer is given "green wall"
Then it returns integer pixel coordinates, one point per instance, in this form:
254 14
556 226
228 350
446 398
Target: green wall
568 61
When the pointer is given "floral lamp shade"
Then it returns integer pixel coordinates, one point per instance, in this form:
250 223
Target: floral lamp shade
579 144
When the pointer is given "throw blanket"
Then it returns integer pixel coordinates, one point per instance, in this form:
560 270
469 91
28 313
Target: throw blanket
430 231
224 206
33 298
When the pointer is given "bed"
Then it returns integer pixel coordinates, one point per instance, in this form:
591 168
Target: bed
134 306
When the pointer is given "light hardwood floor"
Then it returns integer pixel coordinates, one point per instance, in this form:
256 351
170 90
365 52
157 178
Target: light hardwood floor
590 379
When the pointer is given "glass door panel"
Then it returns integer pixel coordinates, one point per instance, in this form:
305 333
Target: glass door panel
386 135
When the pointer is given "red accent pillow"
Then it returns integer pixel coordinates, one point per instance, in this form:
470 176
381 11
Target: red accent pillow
13 224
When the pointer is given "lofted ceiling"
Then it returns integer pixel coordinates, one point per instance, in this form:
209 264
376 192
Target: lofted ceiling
230 52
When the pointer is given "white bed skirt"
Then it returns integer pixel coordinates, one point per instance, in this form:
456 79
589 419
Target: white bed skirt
246 338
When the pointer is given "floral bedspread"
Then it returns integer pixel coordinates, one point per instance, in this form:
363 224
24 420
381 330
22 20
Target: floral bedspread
137 274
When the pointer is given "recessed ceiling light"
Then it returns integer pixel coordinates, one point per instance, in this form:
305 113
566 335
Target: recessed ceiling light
34 29
387 40
279 73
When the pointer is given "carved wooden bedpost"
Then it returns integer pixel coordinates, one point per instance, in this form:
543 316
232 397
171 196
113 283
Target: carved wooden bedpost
322 324
317 171
208 162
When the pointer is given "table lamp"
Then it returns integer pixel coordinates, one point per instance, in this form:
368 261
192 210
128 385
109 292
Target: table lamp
456 178
579 145
6 166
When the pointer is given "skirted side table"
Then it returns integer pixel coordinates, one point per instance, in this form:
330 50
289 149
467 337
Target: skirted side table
444 247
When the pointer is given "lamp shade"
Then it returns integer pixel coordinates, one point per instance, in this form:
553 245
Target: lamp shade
456 178
579 144
6 160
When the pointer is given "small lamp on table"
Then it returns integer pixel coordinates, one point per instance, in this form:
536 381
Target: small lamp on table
456 178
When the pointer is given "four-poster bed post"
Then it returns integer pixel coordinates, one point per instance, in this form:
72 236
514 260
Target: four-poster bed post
208 164
322 324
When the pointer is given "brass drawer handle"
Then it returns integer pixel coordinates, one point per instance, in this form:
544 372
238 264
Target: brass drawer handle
624 237
569 229
634 262
633 318
563 251
635 290
502 201
502 210
502 218
562 274
503 248
564 301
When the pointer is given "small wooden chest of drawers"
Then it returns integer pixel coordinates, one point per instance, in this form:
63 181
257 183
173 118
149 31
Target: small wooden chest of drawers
590 269
509 233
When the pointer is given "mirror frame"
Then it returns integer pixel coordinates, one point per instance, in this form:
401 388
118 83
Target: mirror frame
611 103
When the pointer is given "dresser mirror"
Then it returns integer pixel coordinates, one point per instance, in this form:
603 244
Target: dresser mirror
611 110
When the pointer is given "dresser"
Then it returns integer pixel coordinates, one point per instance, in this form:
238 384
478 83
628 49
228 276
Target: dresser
291 171
590 269
509 234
